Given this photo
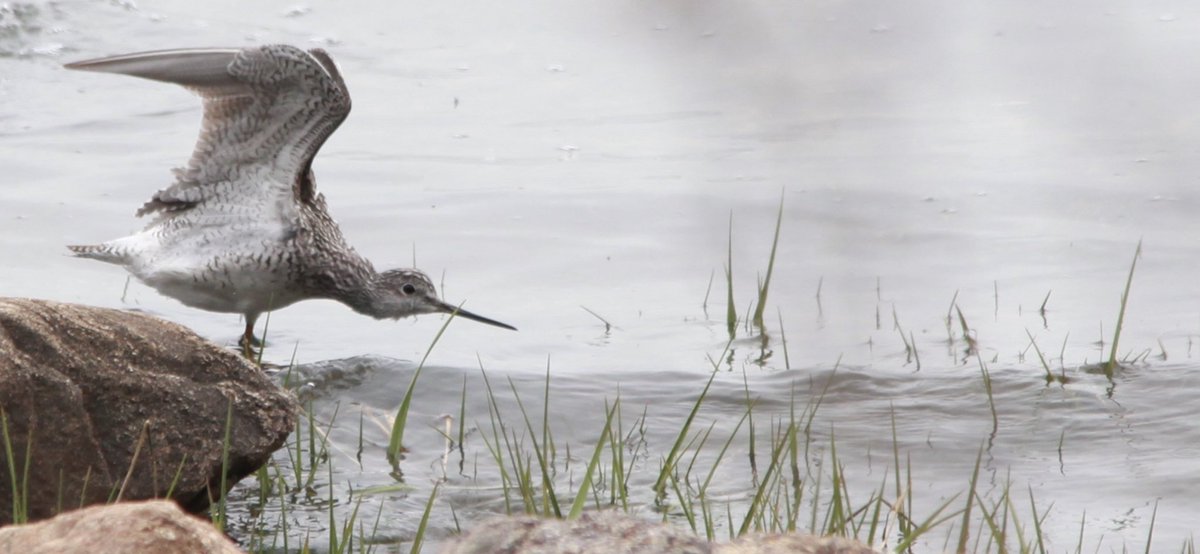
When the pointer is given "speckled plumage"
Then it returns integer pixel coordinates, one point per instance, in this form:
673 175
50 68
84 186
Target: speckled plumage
243 229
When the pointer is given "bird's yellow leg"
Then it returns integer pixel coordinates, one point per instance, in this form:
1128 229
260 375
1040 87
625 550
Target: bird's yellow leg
248 342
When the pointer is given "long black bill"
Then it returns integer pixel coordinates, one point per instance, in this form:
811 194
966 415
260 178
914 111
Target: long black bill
459 312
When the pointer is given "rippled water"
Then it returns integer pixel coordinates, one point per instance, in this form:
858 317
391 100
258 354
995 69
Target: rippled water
537 158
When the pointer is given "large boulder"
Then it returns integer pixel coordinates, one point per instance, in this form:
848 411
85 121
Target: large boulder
151 527
95 391
612 531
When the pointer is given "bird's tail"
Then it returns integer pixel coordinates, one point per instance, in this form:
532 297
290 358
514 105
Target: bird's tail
103 252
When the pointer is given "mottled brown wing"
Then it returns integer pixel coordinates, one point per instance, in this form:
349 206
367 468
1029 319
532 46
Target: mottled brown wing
267 111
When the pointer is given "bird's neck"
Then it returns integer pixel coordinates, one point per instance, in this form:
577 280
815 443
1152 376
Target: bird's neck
357 286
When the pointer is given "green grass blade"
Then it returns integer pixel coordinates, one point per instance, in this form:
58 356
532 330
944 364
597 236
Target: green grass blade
586 483
549 498
396 439
731 316
1111 364
756 504
19 498
673 456
766 282
419 537
964 529
221 502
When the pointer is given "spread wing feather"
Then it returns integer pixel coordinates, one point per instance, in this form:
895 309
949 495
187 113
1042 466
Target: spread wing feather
267 111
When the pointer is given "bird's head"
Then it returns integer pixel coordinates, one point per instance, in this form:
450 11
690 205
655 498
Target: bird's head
408 292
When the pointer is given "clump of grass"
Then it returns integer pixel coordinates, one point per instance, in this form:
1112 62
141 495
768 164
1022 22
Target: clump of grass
541 451
785 487
755 320
786 490
1050 376
909 340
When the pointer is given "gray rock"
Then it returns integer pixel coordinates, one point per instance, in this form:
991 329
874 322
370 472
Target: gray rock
606 532
129 528
85 386
613 532
792 543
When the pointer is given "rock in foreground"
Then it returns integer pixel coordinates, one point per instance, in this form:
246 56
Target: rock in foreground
609 532
95 391
130 528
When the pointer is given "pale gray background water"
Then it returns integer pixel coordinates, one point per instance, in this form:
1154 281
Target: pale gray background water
595 154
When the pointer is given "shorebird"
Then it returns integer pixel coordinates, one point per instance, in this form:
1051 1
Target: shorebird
243 229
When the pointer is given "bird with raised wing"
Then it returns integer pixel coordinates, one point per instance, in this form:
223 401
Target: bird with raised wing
243 229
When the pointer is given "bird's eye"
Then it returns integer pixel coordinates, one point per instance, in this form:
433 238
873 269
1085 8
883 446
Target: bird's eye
408 288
